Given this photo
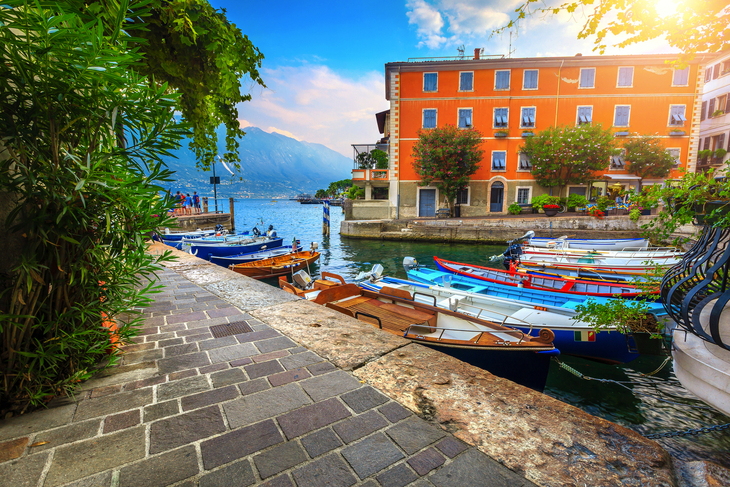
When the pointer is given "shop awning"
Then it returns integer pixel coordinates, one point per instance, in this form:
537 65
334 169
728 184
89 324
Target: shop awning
623 177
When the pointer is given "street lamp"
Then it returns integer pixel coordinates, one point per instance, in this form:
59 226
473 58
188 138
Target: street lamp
215 181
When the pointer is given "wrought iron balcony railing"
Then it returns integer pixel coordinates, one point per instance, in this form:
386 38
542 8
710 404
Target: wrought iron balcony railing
361 151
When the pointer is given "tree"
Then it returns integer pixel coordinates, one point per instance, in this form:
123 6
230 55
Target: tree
692 27
447 157
337 187
375 159
569 155
320 194
648 158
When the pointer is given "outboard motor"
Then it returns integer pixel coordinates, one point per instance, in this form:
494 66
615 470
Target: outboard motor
271 232
313 247
512 254
302 280
410 263
256 232
375 273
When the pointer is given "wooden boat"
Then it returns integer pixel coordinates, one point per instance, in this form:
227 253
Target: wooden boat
517 279
503 351
277 266
591 244
602 268
227 260
206 251
312 288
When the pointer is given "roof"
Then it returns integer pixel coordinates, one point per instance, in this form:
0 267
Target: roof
380 117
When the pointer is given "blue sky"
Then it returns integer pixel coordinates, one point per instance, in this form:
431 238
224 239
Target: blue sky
324 61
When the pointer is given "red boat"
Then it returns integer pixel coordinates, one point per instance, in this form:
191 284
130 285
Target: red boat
541 283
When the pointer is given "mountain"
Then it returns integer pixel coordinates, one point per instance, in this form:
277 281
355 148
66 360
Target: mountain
272 165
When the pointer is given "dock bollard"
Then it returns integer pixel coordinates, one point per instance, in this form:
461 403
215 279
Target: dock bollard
326 219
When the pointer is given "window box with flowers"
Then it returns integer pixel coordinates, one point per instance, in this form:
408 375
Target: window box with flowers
595 212
501 133
676 133
551 210
528 133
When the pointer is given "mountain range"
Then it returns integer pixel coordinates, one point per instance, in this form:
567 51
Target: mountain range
272 165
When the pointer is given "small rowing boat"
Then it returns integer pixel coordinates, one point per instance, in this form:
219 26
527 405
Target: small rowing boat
591 244
277 266
261 254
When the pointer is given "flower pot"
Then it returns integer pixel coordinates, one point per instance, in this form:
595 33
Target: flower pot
550 211
645 345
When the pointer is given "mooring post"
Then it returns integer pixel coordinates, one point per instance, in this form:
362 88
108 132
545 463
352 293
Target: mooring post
233 217
326 218
205 204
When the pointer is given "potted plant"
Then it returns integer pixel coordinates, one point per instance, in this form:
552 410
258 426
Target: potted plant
676 132
597 213
528 133
717 113
501 133
551 210
576 201
720 153
514 209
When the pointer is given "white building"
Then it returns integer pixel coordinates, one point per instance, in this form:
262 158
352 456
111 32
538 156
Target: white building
715 114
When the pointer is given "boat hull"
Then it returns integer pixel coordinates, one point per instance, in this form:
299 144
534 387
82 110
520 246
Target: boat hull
593 244
277 266
207 251
228 260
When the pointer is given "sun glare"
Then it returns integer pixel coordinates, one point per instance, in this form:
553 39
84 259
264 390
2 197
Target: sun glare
665 8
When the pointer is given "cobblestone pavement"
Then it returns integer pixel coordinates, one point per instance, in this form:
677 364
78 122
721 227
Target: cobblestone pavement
255 408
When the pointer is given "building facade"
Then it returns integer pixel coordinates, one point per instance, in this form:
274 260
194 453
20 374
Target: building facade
508 100
714 117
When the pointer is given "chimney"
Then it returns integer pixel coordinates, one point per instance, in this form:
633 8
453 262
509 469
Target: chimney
476 53
579 54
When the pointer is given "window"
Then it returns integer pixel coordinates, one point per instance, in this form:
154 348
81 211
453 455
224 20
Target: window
676 115
430 81
380 193
501 80
716 71
720 142
429 118
681 77
464 118
584 116
625 77
525 164
523 196
587 77
501 117
462 197
707 143
498 160
466 81
529 80
527 119
711 108
708 74
725 68
703 111
727 105
721 103
621 116
675 153
618 162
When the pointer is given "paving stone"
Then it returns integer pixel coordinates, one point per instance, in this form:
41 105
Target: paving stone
242 361
310 418
208 369
263 369
296 350
329 471
426 461
414 434
228 377
280 481
239 443
185 349
189 361
394 412
279 458
66 434
321 442
12 449
253 386
265 357
103 479
257 335
106 391
282 378
450 446
206 323
121 421
96 455
170 342
328 385
372 455
475 468
218 343
160 410
232 353
181 375
176 431
274 344
161 470
138 384
137 347
143 356
221 312
397 476
210 397
300 360
170 328
184 387
157 320
321 368
102 406
150 330
184 333
159 336
363 399
198 337
239 474
266 404
24 472
198 315
360 426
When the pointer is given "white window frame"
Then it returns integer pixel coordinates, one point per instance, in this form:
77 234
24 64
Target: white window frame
423 116
577 112
491 162
472 117
689 68
468 197
494 117
418 199
618 76
534 124
669 117
628 121
529 194
679 156
708 74
519 169
509 85
610 163
423 85
580 77
523 80
472 81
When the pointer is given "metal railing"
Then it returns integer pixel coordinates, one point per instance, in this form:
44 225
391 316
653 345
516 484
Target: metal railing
366 149
454 58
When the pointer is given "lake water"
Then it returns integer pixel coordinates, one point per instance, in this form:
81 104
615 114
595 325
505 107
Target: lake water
633 404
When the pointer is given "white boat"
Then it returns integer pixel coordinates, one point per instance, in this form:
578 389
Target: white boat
646 254
599 261
590 244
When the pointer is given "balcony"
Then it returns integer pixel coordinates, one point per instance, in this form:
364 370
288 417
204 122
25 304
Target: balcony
373 175
362 155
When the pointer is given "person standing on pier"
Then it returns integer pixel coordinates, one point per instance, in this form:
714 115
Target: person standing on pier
196 202
188 205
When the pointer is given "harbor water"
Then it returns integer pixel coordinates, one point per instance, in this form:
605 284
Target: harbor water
648 404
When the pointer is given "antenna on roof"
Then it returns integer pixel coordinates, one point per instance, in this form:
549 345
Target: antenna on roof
461 50
509 53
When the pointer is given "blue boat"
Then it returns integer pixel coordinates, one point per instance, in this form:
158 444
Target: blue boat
225 261
206 251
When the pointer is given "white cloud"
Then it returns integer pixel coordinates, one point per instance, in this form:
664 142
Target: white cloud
316 104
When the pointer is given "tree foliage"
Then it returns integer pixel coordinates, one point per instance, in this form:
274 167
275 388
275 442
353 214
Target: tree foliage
694 26
569 155
447 157
375 159
337 187
648 158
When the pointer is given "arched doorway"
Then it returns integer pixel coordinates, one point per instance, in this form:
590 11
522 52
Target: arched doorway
496 199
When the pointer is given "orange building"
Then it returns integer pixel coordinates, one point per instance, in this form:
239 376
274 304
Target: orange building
508 100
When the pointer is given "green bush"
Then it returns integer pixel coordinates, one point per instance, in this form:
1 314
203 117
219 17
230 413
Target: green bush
603 202
544 199
514 209
635 214
355 192
577 201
